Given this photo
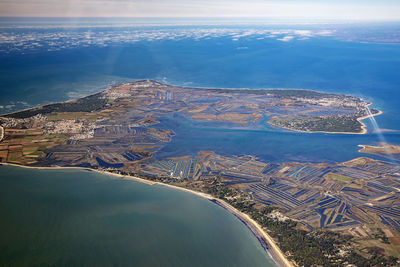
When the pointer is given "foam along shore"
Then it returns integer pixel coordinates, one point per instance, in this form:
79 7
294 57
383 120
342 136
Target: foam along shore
363 126
265 240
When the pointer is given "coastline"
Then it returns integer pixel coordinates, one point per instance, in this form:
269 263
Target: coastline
1 133
363 126
384 150
264 238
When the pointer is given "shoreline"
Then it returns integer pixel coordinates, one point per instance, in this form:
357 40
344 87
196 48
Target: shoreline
363 126
265 240
385 150
183 86
359 119
2 133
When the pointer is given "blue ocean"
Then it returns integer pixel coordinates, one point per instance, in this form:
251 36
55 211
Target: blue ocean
81 218
51 60
44 61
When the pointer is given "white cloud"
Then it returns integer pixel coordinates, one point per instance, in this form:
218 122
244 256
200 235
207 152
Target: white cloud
305 33
325 33
86 36
286 38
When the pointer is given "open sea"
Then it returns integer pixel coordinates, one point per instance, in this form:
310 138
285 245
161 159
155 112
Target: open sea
44 61
82 218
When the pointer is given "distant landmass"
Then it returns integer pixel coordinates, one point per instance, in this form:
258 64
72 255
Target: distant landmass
318 214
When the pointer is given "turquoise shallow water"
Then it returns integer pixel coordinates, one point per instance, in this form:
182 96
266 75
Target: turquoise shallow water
82 218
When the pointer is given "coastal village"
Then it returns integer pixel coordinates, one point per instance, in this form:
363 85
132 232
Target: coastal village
352 208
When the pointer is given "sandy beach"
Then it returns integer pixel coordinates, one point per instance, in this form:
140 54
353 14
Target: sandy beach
382 149
273 250
1 133
364 127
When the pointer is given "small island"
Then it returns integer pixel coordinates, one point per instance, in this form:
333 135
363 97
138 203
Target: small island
307 214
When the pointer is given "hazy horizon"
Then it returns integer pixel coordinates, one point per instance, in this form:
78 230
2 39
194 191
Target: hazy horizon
340 10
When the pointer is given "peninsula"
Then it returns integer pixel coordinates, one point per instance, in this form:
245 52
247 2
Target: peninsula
317 214
381 149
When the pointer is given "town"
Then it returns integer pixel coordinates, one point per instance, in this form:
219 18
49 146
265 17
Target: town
122 129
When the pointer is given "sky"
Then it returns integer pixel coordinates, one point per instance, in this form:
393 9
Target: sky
372 10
